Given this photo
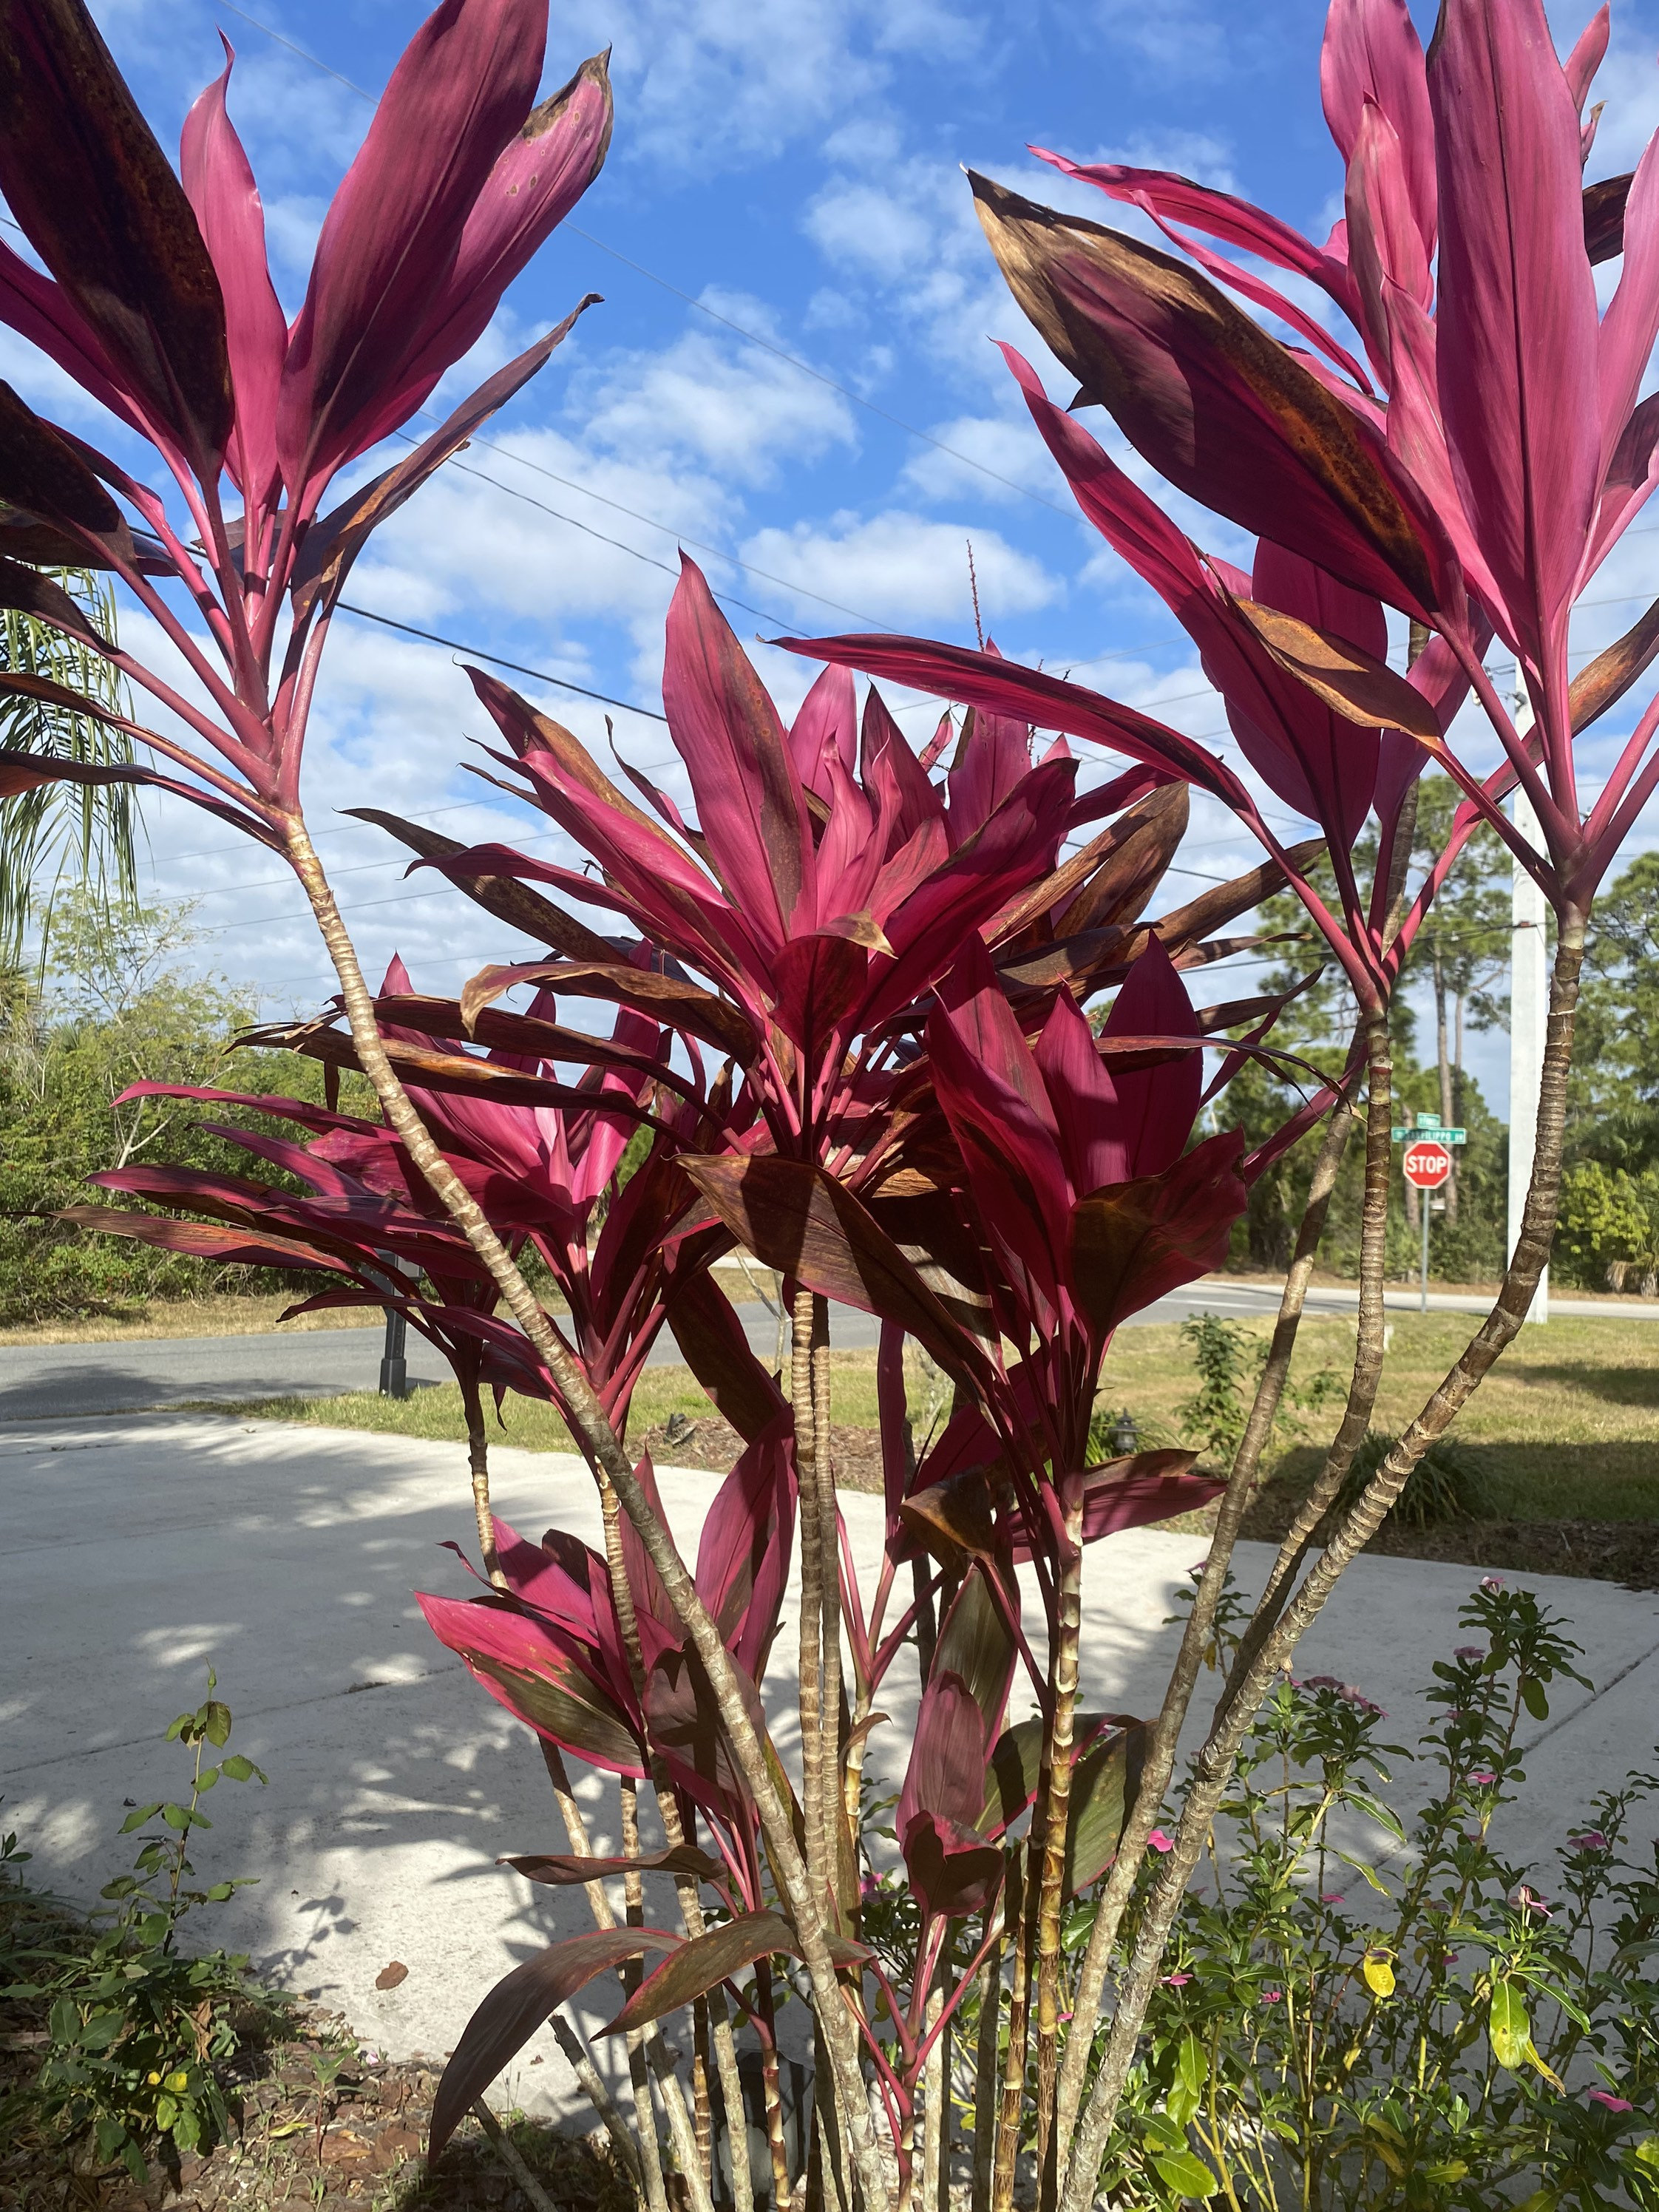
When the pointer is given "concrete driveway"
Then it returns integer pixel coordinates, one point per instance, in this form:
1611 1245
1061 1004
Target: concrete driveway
133 1552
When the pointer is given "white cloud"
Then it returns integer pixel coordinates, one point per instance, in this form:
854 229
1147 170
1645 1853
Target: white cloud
727 82
871 227
994 457
1179 39
912 570
715 402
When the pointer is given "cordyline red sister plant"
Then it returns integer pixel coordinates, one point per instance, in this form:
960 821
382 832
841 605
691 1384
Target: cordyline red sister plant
853 1005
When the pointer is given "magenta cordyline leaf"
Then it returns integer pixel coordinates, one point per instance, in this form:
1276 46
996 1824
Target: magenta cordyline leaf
1082 1095
920 804
993 755
1115 1498
541 1674
727 731
670 896
1321 765
1632 322
1372 53
1156 1106
1385 246
543 172
84 176
219 184
994 1100
1132 1243
1016 848
1588 54
1316 759
462 87
39 310
1338 367
1169 198
1007 687
952 1869
825 727
160 305
743 1554
1517 325
504 1137
1228 415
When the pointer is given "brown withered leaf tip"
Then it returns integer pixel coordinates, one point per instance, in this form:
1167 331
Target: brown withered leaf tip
389 1976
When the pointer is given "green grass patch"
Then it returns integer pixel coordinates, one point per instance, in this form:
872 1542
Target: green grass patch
1565 1427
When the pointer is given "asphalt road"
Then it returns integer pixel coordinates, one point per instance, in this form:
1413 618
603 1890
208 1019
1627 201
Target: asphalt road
64 1382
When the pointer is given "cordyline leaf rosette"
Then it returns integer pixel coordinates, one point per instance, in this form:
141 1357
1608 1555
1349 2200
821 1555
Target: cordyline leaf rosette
542 1155
809 924
155 298
826 881
1475 478
369 1220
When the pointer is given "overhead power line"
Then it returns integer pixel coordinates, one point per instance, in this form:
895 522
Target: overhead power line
518 667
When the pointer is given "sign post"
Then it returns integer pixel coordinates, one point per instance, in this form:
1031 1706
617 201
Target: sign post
1428 1164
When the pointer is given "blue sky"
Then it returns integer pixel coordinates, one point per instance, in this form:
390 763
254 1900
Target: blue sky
788 172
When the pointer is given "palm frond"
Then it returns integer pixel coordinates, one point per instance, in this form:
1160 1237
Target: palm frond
62 831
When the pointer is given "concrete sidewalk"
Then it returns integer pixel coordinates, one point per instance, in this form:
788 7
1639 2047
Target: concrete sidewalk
131 1552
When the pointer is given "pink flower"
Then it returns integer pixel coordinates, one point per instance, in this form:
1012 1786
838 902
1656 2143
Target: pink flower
1483 1778
1157 1841
1331 1896
1271 1997
1493 1584
1177 1981
1614 2104
1528 1900
1591 1840
1470 1651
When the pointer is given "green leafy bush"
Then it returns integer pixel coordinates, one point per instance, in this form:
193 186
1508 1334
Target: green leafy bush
136 2031
1357 2012
117 1005
1609 1226
1446 1485
1229 1358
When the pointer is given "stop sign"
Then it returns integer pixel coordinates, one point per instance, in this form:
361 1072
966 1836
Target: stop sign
1428 1162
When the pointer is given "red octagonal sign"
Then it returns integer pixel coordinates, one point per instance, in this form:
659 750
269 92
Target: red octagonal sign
1428 1162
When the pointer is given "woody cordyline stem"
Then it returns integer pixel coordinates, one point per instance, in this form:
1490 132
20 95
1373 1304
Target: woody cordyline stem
1238 1707
813 1781
1165 1734
605 1452
1060 1750
829 1543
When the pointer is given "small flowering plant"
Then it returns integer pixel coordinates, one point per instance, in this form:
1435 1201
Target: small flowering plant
1358 2012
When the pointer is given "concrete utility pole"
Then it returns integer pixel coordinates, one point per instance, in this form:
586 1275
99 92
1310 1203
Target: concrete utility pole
1529 1009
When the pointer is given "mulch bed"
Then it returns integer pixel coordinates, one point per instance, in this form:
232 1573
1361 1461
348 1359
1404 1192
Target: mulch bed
299 2145
715 1444
1624 1551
